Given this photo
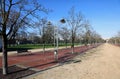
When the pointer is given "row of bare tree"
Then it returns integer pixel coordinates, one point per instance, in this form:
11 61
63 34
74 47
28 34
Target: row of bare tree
18 15
115 40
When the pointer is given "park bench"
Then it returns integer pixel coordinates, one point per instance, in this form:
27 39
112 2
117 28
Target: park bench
23 52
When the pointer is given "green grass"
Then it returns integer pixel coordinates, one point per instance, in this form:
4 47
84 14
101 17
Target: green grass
30 46
35 46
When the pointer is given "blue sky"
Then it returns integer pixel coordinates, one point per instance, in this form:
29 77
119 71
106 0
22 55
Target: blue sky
104 15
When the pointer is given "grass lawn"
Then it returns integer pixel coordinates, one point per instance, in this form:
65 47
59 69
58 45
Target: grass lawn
34 46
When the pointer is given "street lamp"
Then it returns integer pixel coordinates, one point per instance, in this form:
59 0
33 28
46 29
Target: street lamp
55 46
62 21
56 40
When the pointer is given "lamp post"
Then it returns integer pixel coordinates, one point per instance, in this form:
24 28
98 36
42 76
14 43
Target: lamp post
56 42
55 46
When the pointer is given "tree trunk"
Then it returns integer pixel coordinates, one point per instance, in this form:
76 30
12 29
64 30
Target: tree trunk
66 43
43 48
73 45
4 57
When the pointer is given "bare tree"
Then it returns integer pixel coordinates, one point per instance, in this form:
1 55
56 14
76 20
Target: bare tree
42 24
65 34
96 38
16 14
79 37
87 31
31 37
75 22
116 39
49 33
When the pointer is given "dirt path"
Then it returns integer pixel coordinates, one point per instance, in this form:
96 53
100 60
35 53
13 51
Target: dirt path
99 63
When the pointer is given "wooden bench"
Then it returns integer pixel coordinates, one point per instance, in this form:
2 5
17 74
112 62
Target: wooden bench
23 52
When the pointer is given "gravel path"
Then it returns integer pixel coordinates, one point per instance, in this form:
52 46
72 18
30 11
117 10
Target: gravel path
99 63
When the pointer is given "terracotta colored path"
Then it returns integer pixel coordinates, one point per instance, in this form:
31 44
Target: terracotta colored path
40 61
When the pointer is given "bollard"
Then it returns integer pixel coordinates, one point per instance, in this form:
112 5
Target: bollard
56 55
